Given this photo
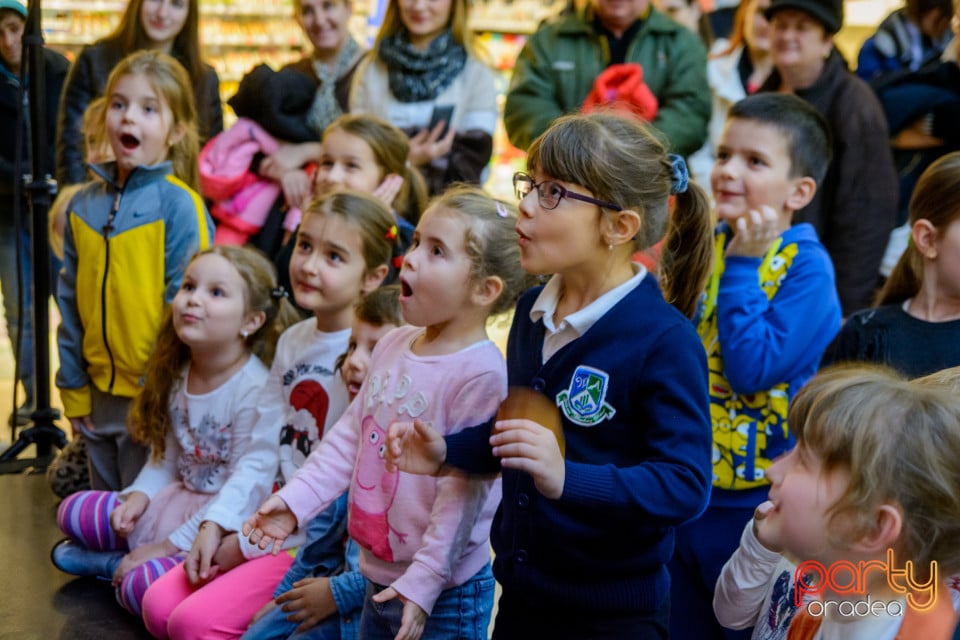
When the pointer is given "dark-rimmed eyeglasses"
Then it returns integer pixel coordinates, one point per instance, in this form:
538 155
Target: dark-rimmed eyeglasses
550 193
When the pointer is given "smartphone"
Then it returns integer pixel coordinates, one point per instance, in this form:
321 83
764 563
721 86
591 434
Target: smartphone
441 112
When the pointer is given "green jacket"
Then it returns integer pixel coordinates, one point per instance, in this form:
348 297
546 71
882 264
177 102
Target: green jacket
559 63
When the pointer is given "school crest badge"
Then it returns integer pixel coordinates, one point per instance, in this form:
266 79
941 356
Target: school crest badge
584 402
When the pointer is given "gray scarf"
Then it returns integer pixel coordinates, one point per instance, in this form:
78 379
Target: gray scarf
325 108
416 75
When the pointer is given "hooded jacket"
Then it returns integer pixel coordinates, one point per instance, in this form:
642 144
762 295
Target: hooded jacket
125 251
557 68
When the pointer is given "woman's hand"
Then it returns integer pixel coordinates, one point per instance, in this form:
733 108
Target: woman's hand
289 157
142 554
413 618
415 448
199 564
297 188
533 448
124 518
309 602
270 524
427 144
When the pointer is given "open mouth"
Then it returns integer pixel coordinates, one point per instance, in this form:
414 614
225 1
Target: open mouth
405 290
129 141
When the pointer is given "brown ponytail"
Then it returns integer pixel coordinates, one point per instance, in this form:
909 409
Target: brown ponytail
687 258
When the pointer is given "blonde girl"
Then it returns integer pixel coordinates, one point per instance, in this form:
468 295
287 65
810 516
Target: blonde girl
424 546
343 248
125 246
592 495
196 411
874 476
166 26
916 321
425 59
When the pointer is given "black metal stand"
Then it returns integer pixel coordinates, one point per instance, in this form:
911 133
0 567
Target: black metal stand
43 433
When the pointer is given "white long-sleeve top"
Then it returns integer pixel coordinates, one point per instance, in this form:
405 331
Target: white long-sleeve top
209 433
299 402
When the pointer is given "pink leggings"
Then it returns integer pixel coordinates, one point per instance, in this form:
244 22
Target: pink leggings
85 518
173 608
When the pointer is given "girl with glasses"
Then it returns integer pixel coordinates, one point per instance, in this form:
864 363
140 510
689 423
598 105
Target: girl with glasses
612 451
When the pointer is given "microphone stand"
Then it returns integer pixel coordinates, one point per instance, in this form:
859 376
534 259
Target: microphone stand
43 433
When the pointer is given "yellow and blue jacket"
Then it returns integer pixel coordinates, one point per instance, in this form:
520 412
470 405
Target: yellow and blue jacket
125 251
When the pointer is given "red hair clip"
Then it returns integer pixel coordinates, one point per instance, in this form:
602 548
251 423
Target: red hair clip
391 233
397 262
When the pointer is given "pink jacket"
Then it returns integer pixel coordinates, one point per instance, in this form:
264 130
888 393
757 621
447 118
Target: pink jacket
242 199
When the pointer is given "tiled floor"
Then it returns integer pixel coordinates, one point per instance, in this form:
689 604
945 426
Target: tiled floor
38 602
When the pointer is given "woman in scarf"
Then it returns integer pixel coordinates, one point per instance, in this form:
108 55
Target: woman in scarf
330 67
423 60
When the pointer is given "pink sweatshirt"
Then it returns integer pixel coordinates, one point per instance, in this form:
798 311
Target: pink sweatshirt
418 534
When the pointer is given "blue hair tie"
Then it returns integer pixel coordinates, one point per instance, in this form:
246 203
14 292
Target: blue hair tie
679 174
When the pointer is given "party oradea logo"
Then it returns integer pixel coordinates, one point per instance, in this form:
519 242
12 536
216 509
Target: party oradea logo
815 582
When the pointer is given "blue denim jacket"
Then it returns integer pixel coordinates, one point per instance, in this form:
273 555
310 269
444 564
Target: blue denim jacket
327 552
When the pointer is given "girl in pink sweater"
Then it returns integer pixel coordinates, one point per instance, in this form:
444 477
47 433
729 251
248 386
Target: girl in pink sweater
424 540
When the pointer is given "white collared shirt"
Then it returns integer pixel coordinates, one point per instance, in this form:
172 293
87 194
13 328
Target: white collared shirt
578 322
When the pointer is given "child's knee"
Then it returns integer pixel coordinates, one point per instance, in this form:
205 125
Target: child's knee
161 599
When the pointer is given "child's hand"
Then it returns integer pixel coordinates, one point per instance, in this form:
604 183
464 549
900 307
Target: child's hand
413 619
199 563
124 518
270 524
415 448
264 610
228 554
754 232
140 555
528 446
77 425
309 602
427 145
387 191
759 514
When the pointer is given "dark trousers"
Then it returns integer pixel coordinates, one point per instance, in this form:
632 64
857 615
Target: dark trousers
703 547
520 620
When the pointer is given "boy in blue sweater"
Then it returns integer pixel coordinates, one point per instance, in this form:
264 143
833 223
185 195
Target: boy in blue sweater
769 312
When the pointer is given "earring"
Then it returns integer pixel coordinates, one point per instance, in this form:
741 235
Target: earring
244 334
932 255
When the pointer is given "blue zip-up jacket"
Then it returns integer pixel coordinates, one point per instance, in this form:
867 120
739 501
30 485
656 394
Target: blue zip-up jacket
125 251
764 339
632 395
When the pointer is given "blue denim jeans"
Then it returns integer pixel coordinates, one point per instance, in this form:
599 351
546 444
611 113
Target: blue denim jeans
9 287
275 626
460 613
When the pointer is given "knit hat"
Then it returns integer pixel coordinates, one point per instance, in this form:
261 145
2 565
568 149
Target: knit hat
14 5
829 13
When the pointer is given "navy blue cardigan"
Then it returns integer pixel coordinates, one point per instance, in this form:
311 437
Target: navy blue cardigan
632 393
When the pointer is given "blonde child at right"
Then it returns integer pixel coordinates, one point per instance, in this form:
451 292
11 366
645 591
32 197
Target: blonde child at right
876 468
